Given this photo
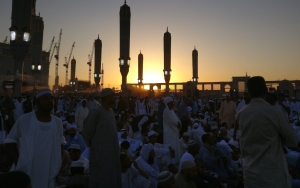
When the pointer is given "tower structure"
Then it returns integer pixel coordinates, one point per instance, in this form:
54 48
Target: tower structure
37 33
73 72
20 38
195 65
167 59
140 68
124 59
97 67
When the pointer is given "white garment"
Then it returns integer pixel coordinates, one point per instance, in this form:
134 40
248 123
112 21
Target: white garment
162 155
86 164
18 111
141 108
133 179
39 148
171 132
81 114
60 104
185 156
240 106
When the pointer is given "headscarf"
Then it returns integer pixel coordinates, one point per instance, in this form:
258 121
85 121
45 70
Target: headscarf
146 149
167 100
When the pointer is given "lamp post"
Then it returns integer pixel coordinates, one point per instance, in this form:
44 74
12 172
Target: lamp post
36 72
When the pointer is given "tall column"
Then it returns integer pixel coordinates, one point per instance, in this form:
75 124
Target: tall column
140 69
124 59
167 59
97 67
195 65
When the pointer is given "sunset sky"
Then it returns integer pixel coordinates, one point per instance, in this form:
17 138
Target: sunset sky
260 37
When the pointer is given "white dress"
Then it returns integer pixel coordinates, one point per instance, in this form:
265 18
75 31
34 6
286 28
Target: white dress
171 132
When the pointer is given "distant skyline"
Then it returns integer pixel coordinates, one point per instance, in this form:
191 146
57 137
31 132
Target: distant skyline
232 37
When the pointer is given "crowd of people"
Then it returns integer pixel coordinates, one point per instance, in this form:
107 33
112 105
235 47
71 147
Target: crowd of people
110 141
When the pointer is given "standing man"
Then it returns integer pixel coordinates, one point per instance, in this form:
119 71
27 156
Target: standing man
38 135
172 125
227 112
100 134
81 113
18 111
264 132
184 115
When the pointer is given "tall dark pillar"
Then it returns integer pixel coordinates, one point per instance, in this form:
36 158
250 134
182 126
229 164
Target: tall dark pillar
195 65
140 68
167 59
97 67
124 59
73 73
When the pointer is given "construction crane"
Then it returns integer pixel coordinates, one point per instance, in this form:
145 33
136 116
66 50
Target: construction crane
50 59
5 40
57 61
90 63
52 42
67 61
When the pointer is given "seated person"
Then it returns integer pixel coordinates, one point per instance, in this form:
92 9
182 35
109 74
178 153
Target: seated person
166 180
146 162
135 145
74 138
132 175
124 148
192 150
165 155
77 175
74 152
183 179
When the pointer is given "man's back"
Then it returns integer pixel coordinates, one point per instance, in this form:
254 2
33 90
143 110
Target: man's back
264 131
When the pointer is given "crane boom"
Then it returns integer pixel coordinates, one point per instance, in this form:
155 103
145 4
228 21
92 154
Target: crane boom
90 62
54 47
51 45
67 61
57 60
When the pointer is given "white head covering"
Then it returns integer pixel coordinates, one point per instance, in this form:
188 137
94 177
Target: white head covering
74 146
187 164
71 126
77 164
165 178
146 149
151 133
143 120
43 92
234 143
167 100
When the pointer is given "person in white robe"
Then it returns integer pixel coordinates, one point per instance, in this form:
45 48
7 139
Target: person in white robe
164 154
18 111
81 113
146 162
141 107
60 103
183 143
192 151
74 152
37 138
135 145
132 175
172 125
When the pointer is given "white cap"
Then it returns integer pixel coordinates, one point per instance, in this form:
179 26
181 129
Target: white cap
71 126
77 164
187 164
151 133
43 92
74 146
